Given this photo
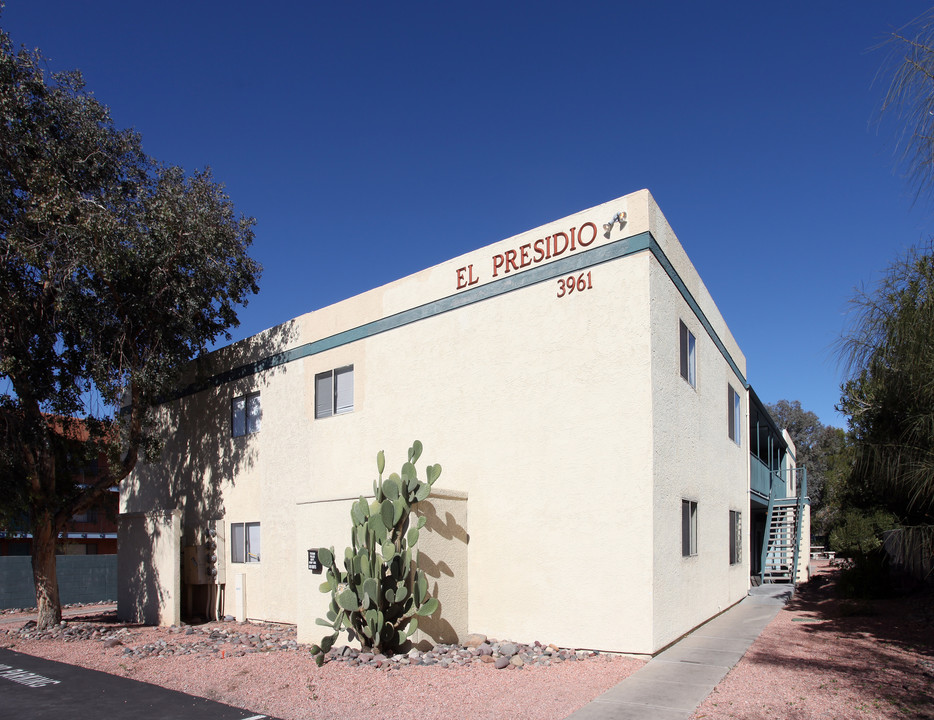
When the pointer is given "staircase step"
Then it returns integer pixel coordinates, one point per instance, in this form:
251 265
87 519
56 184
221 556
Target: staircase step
781 542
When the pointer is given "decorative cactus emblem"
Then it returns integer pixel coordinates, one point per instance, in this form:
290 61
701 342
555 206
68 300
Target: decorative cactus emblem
380 594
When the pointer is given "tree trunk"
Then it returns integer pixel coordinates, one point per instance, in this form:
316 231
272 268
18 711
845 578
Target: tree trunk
44 572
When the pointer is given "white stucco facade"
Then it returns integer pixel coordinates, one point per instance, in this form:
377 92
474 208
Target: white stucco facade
569 439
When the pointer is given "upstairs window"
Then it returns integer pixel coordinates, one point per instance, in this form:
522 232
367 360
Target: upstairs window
688 358
246 415
334 392
734 414
88 516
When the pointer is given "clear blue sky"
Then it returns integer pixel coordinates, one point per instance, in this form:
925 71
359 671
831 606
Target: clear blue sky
373 139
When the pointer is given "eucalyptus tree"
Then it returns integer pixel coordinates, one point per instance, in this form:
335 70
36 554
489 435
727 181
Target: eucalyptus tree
114 271
818 447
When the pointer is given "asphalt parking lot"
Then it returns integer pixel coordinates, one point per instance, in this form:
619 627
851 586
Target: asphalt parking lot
37 689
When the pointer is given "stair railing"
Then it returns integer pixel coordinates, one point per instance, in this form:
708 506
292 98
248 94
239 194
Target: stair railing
768 527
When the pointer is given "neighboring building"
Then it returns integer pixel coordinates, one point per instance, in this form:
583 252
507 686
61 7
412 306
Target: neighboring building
601 486
93 532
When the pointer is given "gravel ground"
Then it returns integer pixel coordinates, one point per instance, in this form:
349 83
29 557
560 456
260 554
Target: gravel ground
260 667
822 657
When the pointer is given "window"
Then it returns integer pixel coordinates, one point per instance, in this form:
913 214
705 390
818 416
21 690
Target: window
734 414
736 537
688 528
246 414
244 542
88 516
334 392
688 359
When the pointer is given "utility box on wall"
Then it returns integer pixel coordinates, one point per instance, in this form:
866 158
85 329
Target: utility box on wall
216 549
204 563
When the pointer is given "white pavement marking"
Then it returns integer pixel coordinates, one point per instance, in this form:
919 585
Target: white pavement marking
24 677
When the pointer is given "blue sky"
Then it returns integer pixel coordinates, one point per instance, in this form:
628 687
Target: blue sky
371 140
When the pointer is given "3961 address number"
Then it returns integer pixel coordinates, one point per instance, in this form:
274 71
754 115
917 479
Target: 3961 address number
568 285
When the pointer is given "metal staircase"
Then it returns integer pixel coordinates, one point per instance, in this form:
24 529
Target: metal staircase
782 541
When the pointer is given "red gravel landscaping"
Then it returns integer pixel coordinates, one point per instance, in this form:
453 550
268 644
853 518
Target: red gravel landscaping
820 658
827 657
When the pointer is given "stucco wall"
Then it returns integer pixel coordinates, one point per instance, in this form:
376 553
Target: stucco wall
442 555
148 567
694 460
558 413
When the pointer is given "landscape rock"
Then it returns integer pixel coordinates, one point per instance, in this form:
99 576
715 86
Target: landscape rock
475 640
223 640
508 649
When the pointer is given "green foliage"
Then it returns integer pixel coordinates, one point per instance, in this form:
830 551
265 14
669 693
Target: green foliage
910 98
822 449
115 270
380 593
860 533
889 397
836 467
859 538
827 454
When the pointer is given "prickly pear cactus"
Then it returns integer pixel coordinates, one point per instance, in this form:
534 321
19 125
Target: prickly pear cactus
380 594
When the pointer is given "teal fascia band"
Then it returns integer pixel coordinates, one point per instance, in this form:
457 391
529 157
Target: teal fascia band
558 268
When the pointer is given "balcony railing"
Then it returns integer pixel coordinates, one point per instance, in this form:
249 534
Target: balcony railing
776 484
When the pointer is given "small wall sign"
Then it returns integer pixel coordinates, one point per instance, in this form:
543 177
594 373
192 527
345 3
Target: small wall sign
313 563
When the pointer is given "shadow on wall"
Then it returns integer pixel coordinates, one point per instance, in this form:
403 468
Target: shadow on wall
442 555
199 459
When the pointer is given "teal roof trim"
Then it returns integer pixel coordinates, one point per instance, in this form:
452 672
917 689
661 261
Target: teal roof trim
689 299
558 268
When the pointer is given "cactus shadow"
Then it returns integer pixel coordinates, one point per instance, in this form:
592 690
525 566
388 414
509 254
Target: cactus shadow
449 528
435 629
443 558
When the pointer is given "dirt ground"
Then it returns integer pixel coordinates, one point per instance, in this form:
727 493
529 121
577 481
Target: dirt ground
828 657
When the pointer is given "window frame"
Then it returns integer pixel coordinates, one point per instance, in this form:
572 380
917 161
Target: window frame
688 528
338 402
245 554
734 410
736 537
88 516
242 421
687 354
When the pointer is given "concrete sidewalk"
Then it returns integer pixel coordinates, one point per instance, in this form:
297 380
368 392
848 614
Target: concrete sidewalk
673 683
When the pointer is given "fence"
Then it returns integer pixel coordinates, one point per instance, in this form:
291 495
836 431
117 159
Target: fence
81 579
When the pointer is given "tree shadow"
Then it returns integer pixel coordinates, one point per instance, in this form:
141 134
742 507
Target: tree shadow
198 460
884 647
